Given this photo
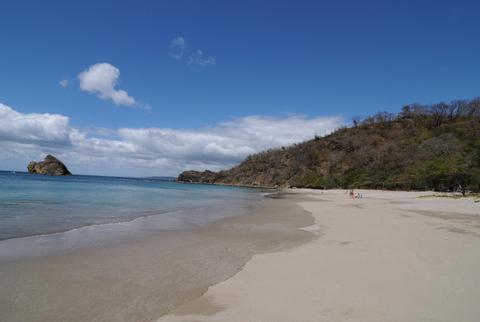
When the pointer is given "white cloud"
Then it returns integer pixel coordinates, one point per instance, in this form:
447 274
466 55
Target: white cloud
178 46
150 151
51 129
64 83
199 58
180 51
102 79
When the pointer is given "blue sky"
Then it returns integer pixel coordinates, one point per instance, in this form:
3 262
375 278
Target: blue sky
274 60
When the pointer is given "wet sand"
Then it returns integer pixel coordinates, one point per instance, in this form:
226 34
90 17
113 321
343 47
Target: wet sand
390 256
144 278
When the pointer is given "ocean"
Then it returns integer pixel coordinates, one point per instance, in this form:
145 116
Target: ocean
89 209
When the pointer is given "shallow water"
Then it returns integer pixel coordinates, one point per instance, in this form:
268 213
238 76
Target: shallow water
37 205
144 277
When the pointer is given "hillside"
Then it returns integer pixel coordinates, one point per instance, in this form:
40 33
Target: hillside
423 147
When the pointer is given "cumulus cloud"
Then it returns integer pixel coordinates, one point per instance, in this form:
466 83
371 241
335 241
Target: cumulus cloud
180 51
50 129
102 79
155 150
64 83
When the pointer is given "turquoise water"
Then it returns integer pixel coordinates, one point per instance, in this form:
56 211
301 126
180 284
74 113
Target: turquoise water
37 205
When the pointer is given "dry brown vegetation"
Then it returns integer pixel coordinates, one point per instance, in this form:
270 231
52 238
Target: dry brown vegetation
424 147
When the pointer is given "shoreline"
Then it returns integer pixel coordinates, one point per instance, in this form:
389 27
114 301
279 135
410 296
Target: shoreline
104 234
390 256
145 277
303 255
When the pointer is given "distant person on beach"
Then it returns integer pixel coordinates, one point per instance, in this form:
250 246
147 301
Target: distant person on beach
352 194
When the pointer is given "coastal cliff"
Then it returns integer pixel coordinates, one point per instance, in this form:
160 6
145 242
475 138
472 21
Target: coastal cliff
49 166
423 147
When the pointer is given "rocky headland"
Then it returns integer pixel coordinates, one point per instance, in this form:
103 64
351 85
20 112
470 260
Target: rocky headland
198 176
424 147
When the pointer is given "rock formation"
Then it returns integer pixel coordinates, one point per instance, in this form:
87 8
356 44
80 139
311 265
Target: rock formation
49 166
198 177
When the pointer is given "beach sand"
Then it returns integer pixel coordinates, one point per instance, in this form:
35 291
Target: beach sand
145 277
390 256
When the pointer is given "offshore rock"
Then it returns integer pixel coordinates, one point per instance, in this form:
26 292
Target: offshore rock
49 166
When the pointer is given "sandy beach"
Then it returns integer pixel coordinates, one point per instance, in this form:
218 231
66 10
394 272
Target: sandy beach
145 276
390 256
301 255
240 161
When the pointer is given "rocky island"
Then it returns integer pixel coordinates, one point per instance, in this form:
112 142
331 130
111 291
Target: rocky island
49 166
